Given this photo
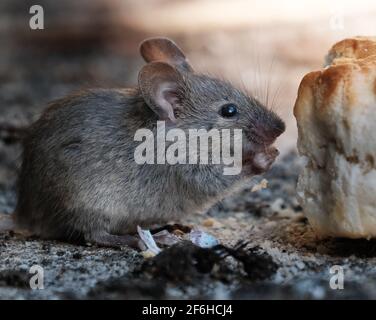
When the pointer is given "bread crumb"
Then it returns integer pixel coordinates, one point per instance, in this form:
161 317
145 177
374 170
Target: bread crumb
208 222
147 254
263 184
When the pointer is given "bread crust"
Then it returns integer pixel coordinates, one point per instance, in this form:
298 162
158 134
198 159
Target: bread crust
336 117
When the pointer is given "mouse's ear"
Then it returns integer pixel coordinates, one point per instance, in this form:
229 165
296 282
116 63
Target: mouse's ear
160 85
165 50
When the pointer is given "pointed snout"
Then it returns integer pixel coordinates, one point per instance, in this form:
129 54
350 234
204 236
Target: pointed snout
266 132
275 128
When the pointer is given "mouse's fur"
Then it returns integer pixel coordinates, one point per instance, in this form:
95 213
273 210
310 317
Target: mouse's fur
79 178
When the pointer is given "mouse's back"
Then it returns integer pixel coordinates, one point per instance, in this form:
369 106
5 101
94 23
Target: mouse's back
72 150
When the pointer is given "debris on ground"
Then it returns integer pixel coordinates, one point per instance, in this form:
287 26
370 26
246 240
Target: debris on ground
166 238
148 241
202 239
185 262
163 237
263 184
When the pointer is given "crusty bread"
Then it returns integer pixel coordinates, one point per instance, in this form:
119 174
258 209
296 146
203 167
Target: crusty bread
354 48
336 116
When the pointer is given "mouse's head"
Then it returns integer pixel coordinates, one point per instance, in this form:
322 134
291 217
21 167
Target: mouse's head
187 100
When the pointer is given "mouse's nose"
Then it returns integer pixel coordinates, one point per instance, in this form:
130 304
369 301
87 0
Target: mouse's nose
277 127
268 131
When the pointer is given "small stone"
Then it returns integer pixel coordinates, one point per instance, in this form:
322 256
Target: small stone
239 215
300 265
277 204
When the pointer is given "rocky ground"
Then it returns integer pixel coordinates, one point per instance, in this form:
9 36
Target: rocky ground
268 248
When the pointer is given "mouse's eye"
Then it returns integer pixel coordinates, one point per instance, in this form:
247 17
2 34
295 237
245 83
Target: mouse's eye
229 110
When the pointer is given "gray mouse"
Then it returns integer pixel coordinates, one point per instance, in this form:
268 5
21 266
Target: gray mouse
79 179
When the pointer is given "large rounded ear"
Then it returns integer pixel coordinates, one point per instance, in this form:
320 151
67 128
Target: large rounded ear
165 50
160 85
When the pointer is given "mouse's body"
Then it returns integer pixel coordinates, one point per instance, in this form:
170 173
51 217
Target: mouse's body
79 178
79 175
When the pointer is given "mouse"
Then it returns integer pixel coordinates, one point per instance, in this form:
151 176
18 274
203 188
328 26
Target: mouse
79 178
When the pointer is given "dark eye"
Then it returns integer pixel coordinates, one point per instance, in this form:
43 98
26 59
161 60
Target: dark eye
229 110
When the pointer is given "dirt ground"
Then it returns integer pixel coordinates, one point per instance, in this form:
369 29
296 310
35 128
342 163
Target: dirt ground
282 258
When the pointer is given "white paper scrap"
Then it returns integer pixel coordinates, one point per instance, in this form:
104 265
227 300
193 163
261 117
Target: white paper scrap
148 239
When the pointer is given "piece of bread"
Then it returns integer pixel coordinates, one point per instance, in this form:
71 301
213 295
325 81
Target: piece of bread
336 116
354 48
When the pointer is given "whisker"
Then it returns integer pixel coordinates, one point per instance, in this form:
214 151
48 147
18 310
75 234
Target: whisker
277 92
269 78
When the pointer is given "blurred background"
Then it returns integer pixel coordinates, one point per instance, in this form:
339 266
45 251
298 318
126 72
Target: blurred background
266 46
